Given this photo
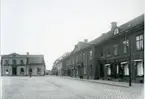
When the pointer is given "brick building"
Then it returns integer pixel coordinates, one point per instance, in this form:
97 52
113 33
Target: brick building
110 55
21 65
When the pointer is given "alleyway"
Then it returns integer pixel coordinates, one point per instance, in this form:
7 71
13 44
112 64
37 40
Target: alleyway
53 87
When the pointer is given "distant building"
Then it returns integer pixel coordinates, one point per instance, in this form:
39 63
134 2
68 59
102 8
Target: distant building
22 65
58 65
48 72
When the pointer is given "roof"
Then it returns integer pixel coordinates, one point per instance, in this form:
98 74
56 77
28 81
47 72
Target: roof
35 59
80 46
105 36
32 59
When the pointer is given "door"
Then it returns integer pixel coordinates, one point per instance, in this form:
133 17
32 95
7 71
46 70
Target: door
101 70
14 71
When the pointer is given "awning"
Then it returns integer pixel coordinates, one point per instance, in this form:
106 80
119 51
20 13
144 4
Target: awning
124 62
107 64
138 60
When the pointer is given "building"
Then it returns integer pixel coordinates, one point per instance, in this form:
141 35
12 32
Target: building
120 50
57 68
21 65
80 62
113 56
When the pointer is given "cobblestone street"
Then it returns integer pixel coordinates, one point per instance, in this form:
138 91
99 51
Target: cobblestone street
52 87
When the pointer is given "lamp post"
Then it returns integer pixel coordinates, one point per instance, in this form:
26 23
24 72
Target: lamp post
130 60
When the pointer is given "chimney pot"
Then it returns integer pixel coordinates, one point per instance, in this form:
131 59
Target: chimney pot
113 25
27 53
85 40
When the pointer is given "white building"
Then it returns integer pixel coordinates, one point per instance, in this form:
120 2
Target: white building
22 65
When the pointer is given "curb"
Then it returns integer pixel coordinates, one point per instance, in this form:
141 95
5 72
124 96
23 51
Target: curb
117 85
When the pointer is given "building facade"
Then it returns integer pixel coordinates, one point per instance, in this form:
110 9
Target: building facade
22 65
113 56
58 65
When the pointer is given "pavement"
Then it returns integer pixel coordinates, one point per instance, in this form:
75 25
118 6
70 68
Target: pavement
55 87
106 82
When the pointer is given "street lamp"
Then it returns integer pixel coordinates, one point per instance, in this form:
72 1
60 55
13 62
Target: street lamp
129 41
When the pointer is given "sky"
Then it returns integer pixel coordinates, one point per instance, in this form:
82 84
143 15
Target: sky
54 27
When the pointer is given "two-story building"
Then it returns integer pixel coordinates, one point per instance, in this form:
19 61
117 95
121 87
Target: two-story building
21 65
121 49
58 65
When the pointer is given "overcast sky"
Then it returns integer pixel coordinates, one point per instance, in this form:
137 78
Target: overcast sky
53 27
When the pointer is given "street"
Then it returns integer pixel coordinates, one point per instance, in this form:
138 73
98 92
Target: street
54 87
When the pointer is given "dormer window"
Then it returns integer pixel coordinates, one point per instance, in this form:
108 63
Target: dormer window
116 31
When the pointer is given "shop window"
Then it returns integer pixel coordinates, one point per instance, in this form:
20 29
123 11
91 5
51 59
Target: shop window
7 71
108 70
140 70
126 69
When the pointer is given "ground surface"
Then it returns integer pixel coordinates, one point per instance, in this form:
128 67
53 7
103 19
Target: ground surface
52 87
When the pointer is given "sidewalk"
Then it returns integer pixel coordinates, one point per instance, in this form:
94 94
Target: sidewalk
112 83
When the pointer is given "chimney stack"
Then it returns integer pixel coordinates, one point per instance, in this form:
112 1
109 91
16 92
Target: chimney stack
27 53
86 40
113 25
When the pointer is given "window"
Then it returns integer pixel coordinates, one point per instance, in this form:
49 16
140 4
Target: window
108 51
84 69
126 69
21 71
38 70
90 54
76 58
7 71
125 46
83 56
6 62
77 71
14 61
115 49
108 70
139 42
30 70
140 70
117 69
22 62
116 31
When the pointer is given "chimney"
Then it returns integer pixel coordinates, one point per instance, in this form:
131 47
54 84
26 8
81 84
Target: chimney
113 25
27 53
86 40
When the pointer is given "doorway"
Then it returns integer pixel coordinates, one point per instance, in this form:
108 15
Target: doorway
101 70
14 71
